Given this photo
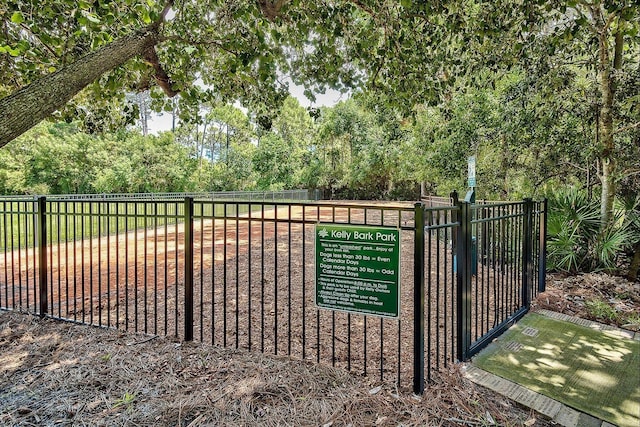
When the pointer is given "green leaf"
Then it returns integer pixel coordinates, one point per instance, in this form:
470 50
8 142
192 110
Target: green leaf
145 17
17 17
93 18
23 46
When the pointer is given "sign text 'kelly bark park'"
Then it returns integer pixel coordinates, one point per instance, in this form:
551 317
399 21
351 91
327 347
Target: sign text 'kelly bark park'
357 269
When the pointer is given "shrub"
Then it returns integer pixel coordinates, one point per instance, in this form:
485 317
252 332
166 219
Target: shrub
600 310
577 242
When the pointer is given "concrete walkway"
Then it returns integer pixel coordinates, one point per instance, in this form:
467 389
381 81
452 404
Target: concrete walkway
554 410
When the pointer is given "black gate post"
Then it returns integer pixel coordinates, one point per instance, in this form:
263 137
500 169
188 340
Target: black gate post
188 269
463 282
418 300
527 251
42 254
542 250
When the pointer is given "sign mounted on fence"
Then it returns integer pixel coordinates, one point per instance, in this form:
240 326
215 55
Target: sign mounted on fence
357 269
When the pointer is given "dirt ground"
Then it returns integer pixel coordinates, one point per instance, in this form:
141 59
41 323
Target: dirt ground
59 373
249 288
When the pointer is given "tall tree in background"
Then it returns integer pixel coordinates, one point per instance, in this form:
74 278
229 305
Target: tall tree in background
600 39
59 158
283 153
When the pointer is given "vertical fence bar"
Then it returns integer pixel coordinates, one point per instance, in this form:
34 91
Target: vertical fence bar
418 300
188 268
18 222
5 304
289 280
249 268
527 259
463 283
542 249
145 251
42 254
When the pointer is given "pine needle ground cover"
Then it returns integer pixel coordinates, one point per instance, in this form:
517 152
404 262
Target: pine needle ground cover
593 371
60 373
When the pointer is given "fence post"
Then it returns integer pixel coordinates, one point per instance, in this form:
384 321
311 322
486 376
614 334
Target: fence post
42 255
454 218
418 300
463 282
542 252
527 251
188 268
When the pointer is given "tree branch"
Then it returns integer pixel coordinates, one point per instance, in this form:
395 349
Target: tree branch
608 22
163 15
271 8
161 76
626 128
29 105
167 7
629 172
28 29
573 165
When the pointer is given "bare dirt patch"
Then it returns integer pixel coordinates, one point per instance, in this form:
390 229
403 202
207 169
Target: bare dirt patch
57 373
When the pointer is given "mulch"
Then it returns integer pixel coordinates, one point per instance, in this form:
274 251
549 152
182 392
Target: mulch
571 295
60 373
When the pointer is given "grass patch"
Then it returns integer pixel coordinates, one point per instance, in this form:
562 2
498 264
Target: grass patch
592 371
78 220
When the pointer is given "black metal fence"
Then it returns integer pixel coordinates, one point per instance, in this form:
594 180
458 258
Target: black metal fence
253 196
241 274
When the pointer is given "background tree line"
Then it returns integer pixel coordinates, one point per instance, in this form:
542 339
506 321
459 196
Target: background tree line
527 143
545 93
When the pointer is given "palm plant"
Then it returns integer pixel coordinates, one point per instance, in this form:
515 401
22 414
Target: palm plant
631 208
577 242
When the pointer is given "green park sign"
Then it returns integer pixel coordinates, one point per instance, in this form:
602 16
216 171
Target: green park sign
357 269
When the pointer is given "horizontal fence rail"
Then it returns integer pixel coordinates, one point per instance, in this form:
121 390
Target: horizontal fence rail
241 274
282 195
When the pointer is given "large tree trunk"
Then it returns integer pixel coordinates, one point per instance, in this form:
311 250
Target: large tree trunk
605 125
26 107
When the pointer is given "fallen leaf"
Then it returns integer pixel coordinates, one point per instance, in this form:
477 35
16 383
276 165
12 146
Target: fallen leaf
375 390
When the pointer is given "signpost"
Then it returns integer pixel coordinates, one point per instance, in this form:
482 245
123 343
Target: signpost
471 165
357 269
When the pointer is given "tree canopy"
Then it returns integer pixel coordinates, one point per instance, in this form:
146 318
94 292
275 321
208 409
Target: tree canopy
78 59
52 49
